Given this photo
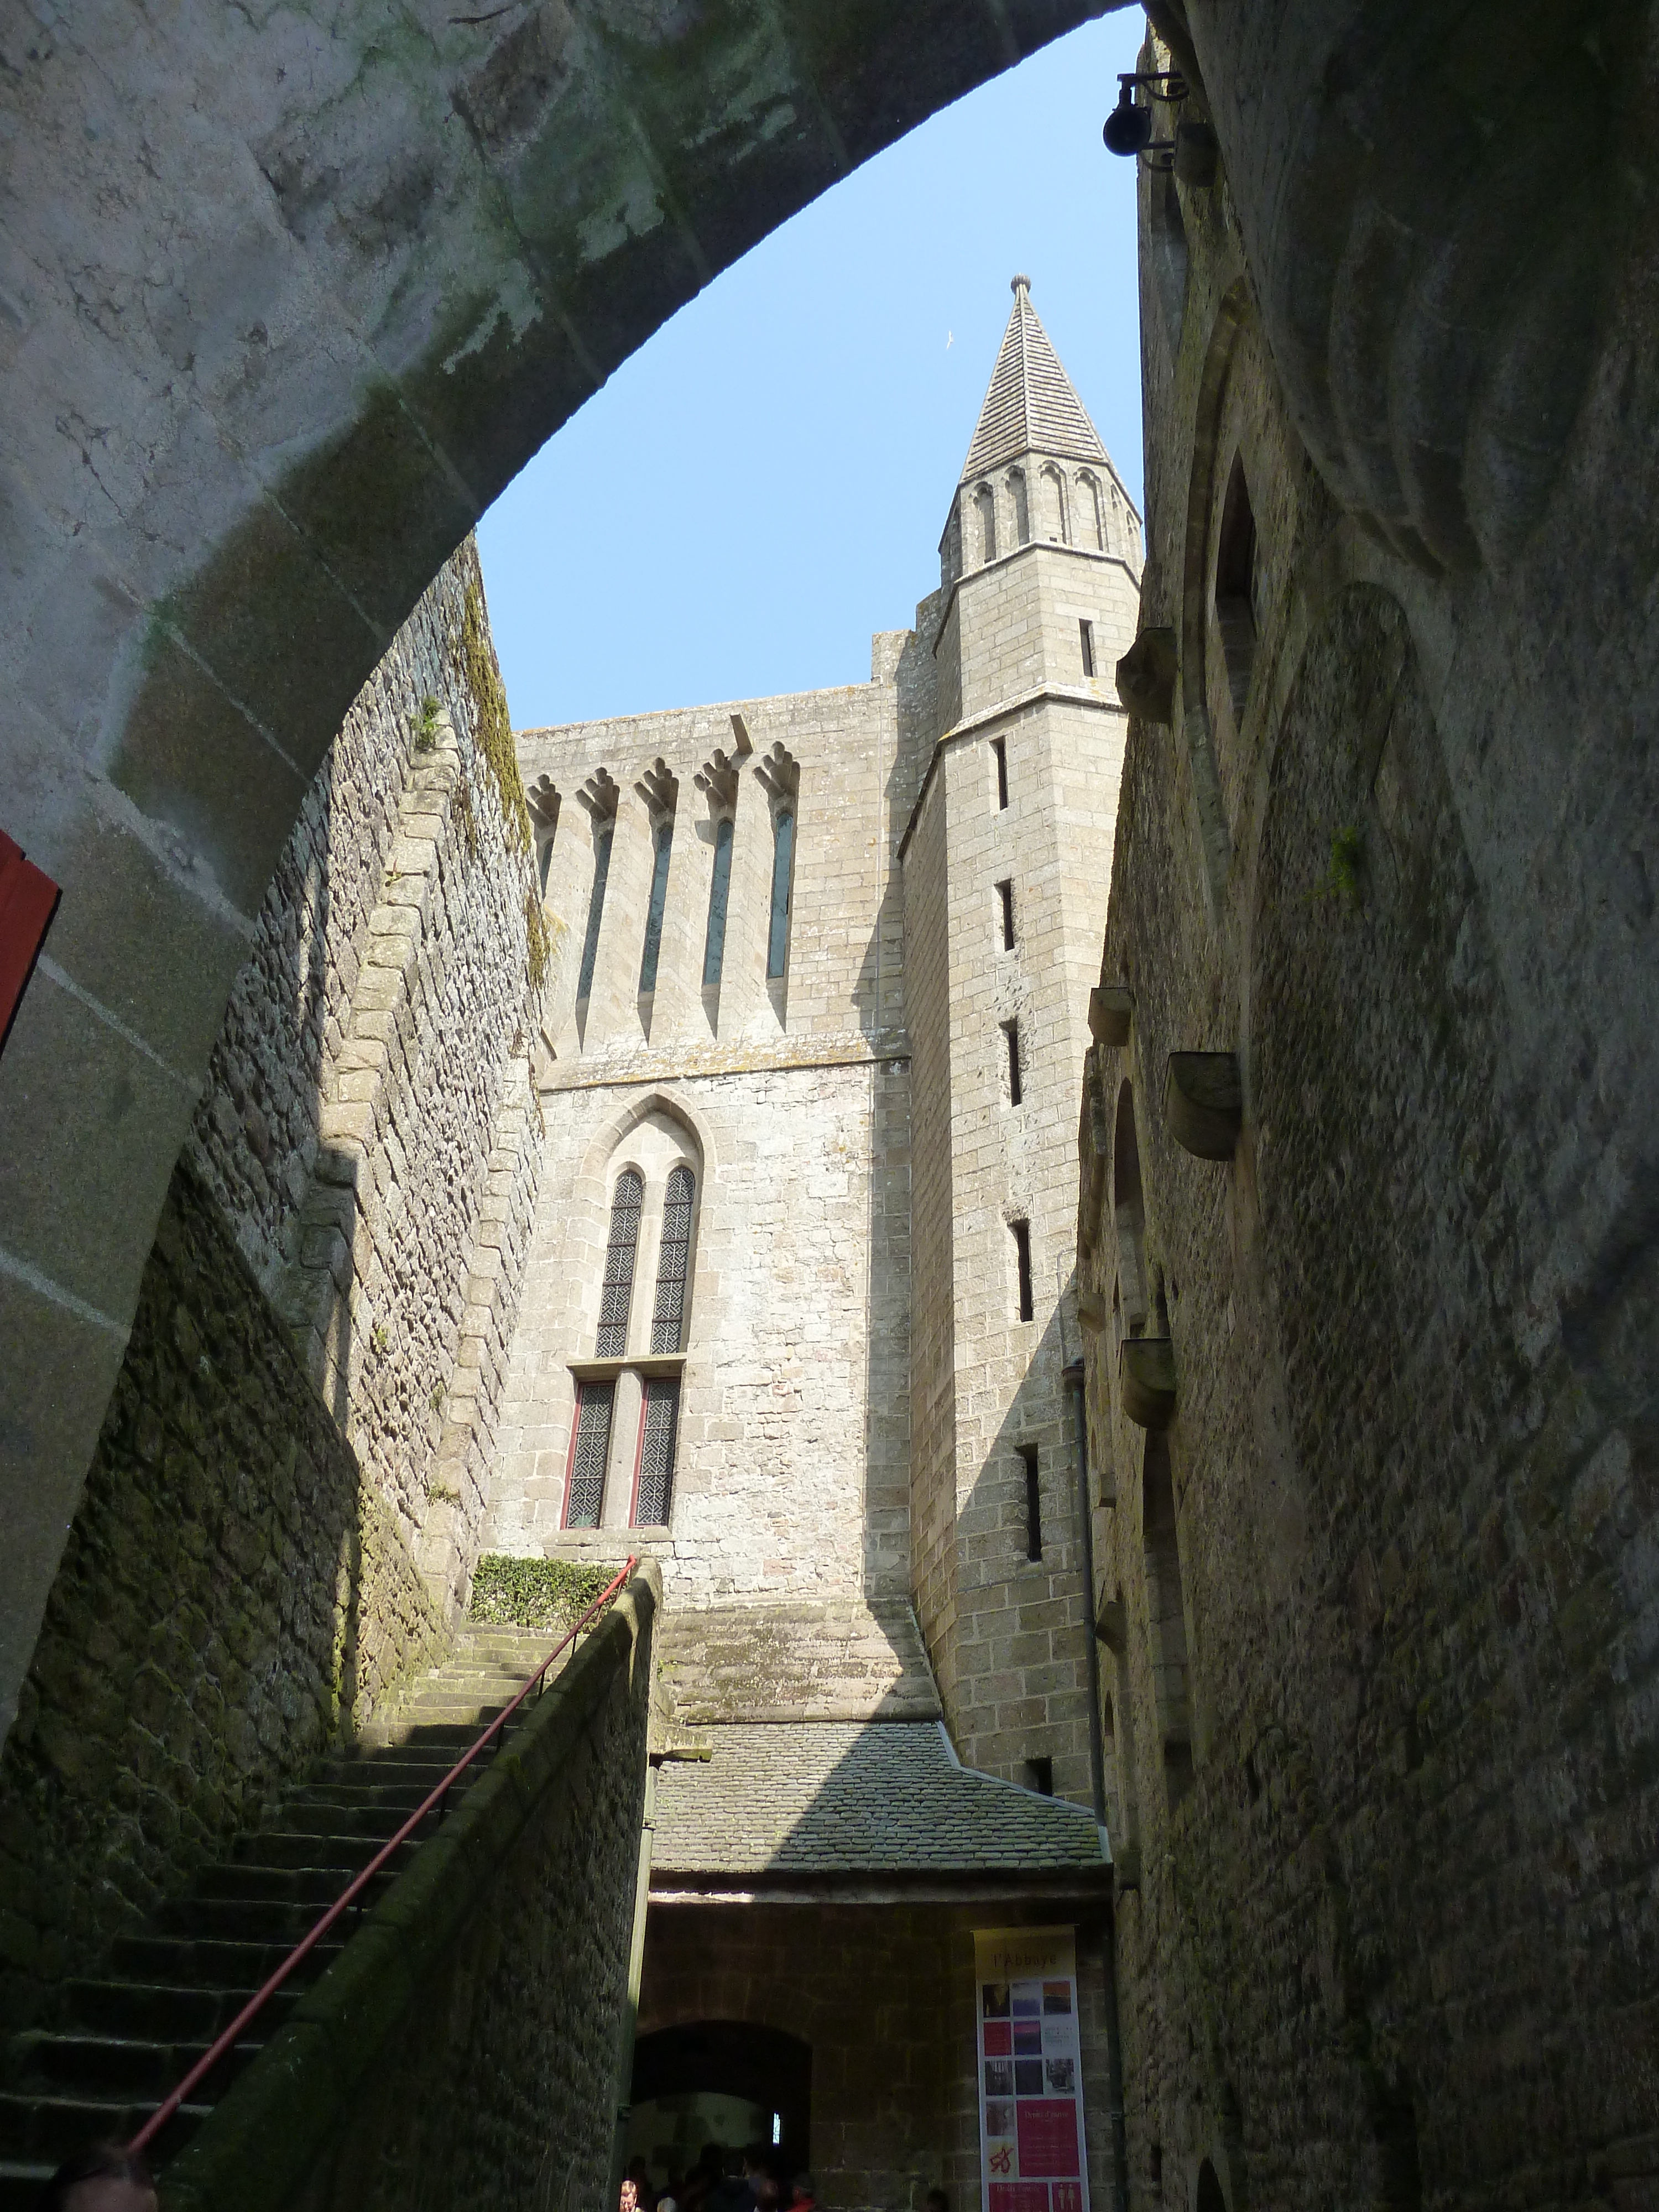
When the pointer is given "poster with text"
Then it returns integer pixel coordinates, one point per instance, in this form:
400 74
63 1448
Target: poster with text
1030 2071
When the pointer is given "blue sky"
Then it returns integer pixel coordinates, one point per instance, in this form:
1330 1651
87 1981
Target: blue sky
763 484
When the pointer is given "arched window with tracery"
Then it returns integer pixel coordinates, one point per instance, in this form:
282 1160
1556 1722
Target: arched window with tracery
618 1294
668 1315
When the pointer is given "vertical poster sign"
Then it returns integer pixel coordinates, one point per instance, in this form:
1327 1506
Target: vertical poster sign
1030 2071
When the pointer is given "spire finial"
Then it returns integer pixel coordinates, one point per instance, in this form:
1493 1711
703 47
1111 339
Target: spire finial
1019 284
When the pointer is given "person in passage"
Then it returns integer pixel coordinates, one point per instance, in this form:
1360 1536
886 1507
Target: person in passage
763 2190
803 2195
106 2178
644 2196
670 2199
731 2193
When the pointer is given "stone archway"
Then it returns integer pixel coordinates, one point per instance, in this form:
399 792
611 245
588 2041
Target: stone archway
283 307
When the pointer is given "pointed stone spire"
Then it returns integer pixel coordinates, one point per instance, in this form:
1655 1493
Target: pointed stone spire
1031 406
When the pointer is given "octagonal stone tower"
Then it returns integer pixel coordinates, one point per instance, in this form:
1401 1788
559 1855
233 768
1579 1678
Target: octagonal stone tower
1007 863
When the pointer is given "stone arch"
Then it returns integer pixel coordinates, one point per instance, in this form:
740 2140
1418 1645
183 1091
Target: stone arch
414 261
1019 499
985 508
1091 526
1053 522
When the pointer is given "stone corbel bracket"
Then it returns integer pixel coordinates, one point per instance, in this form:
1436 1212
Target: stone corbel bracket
1146 1380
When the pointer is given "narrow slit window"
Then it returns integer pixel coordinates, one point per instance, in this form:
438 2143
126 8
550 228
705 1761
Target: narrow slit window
1236 586
999 755
1040 1776
783 871
618 1295
595 911
1021 1233
659 1421
1085 632
1027 1460
668 1315
1011 1039
719 891
1005 907
665 842
590 1448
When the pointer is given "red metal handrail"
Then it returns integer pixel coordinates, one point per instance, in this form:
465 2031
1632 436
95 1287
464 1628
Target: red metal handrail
204 2065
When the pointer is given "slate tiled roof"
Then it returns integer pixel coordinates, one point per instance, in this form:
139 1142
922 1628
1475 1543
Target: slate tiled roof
1031 405
832 1659
837 1797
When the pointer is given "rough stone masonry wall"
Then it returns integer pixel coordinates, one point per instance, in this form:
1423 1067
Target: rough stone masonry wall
254 1564
1396 1944
232 1595
884 1997
465 2050
367 1121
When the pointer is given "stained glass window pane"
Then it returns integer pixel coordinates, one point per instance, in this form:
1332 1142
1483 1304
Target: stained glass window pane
594 1402
661 1420
668 1316
618 1294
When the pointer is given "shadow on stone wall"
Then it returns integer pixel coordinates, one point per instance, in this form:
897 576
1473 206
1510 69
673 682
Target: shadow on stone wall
231 1596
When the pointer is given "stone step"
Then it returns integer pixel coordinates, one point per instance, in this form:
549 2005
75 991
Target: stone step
239 1882
121 2067
258 1919
124 2037
49 2129
164 2011
22 2183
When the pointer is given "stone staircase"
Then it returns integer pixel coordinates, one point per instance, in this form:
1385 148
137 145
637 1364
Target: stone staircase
122 2040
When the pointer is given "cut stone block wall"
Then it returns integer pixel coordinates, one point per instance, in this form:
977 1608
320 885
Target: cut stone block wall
792 1446
233 1595
884 1995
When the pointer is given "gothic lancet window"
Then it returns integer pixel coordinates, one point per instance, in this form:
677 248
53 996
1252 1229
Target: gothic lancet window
659 1421
668 1315
618 1295
589 1449
783 869
664 841
719 891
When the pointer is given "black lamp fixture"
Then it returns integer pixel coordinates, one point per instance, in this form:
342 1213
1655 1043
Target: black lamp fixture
1129 126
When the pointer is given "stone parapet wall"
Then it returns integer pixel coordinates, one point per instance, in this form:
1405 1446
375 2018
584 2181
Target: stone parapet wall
235 1596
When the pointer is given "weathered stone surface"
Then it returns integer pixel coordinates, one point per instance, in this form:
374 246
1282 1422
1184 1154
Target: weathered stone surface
235 1596
288 302
1381 1607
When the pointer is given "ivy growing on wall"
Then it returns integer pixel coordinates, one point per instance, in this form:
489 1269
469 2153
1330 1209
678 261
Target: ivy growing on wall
534 1593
